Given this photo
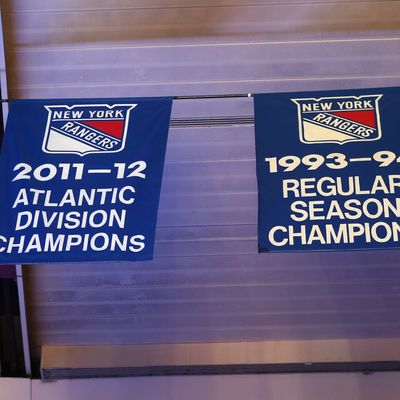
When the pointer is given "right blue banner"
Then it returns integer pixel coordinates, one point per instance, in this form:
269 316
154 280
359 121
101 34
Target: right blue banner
328 170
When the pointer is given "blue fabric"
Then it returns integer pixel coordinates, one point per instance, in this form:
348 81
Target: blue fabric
81 179
331 178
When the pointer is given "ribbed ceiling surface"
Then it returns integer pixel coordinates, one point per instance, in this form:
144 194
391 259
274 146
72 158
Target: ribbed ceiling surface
207 282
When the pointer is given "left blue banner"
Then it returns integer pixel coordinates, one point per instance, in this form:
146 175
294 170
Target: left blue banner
81 179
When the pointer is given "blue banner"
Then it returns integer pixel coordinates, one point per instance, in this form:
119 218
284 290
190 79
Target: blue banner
81 179
328 170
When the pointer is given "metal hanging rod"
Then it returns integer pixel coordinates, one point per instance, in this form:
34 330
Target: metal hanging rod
194 97
213 96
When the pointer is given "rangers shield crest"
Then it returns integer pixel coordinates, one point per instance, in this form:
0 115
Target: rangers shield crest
86 128
339 120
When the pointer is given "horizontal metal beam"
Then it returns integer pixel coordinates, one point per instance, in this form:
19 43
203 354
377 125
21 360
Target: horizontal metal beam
79 373
352 355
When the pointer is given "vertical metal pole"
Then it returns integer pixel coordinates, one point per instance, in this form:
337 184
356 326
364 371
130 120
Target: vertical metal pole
20 281
24 325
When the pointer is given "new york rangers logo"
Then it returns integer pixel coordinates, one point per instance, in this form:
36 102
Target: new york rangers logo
86 128
339 119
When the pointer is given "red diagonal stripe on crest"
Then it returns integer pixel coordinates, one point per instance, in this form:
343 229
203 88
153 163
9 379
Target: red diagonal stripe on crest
363 117
113 128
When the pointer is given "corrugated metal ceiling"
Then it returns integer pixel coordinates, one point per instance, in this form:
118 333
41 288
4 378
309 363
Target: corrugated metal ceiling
207 282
